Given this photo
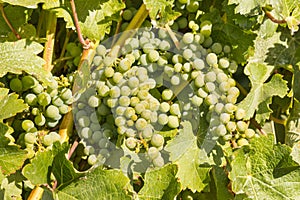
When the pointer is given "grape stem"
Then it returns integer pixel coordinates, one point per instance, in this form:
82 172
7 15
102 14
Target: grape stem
50 40
172 35
8 22
272 18
73 148
85 43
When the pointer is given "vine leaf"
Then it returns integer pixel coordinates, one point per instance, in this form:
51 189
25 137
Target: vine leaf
259 97
20 56
292 128
11 186
296 153
185 153
163 8
265 171
38 170
10 105
98 184
160 184
11 156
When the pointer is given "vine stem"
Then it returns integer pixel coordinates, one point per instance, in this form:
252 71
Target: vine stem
8 22
50 36
85 43
272 18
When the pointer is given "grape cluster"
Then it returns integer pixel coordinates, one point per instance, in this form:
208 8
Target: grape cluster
47 105
132 100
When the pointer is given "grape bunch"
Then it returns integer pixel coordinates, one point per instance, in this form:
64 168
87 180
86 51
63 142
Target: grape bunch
152 85
47 105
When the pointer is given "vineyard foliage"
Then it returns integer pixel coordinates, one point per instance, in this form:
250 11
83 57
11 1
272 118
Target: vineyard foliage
149 99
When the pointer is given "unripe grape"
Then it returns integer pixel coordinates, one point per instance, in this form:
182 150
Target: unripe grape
211 99
38 89
27 125
231 126
163 119
212 59
197 101
188 38
242 142
173 121
167 94
30 138
157 140
224 63
103 143
240 113
225 118
187 54
216 48
52 112
131 142
86 133
241 126
249 133
66 94
158 161
15 85
153 153
31 99
206 27
229 108
92 159
140 124
175 109
221 130
40 120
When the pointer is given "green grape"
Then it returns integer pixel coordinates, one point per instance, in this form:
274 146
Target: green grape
164 45
197 101
240 113
148 47
142 94
153 56
163 119
47 140
173 121
75 51
207 42
175 79
40 120
216 48
101 50
52 112
88 150
226 49
241 126
205 28
233 67
84 121
224 118
124 65
192 6
111 103
224 87
117 77
187 54
169 70
188 38
97 60
242 142
146 114
103 110
221 130
129 112
31 99
94 101
120 121
86 133
157 140
139 108
201 93
57 101
28 82
134 101
107 133
92 159
115 92
131 142
221 77
29 138
177 59
231 126
164 107
66 94
249 133
133 82
234 91
130 132
153 153
140 124
125 90
127 15
199 38
212 59
103 90
229 108
38 89
211 99
158 161
103 143
27 125
144 60
210 77
227 137
147 132
95 126
94 117
224 63
187 67
193 26
15 85
120 110
210 87
35 111
198 64
167 94
199 81
109 72
182 22
76 60
175 109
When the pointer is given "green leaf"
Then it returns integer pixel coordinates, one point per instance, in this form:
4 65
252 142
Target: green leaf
18 16
98 184
160 184
185 153
247 6
22 56
265 171
24 3
10 105
95 17
292 128
261 92
221 184
38 170
296 153
62 168
162 7
12 186
11 158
